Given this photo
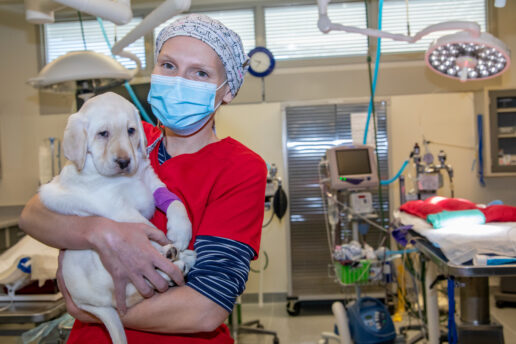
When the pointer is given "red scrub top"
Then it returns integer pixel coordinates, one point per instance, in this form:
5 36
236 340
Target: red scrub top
223 187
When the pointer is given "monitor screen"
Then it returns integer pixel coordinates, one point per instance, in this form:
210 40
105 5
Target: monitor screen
353 161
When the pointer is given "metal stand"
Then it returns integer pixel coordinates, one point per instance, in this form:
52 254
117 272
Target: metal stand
248 327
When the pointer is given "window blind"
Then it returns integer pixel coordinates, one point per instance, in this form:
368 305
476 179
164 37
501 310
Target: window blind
423 13
291 31
240 21
63 37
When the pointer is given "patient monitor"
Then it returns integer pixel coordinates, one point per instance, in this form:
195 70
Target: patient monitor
351 167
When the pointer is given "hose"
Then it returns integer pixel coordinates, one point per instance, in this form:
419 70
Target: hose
127 86
376 65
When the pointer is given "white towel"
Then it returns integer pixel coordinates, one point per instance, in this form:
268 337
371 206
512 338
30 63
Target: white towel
43 259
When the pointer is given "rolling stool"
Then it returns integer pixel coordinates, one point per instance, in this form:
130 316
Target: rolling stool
237 327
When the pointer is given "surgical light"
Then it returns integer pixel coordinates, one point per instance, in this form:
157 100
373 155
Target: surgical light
466 55
81 70
88 71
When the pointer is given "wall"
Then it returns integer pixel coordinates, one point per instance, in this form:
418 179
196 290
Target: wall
450 120
429 103
258 126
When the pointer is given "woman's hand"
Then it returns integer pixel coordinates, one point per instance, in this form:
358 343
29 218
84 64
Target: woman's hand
128 255
71 307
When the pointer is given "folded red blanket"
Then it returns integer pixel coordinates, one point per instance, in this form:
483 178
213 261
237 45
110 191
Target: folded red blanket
437 204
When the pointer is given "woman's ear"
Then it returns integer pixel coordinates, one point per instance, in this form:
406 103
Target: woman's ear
228 97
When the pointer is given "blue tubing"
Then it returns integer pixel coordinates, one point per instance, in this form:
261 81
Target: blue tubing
375 76
389 181
128 87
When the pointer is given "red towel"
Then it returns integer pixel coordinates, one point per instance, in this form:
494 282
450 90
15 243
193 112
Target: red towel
437 204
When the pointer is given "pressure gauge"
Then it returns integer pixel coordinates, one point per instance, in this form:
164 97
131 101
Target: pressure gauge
261 62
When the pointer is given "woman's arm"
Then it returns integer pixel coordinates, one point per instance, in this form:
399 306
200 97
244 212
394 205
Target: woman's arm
124 248
178 310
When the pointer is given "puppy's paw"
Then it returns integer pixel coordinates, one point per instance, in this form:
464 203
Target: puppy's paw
179 227
170 252
188 257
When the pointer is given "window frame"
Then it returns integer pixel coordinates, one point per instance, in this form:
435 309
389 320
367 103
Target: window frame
260 39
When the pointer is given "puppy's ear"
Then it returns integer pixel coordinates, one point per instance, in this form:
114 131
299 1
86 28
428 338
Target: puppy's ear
74 140
142 144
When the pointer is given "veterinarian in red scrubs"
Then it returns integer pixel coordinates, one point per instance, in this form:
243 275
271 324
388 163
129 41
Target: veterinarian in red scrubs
200 65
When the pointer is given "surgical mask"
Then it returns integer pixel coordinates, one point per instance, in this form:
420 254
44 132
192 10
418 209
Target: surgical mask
180 104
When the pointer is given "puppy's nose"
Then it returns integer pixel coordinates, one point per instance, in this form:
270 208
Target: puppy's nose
123 162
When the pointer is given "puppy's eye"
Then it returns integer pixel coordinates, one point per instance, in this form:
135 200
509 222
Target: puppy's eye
131 131
104 133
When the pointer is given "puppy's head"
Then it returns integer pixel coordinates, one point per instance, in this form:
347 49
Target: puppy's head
109 128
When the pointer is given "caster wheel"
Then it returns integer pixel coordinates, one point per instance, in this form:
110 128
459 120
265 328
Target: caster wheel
500 304
276 340
293 308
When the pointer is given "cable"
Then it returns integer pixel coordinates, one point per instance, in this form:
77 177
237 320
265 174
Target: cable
376 65
270 219
408 18
400 171
325 212
372 223
126 84
265 266
82 30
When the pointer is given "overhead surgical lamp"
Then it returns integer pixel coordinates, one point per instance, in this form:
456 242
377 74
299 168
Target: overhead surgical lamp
466 55
84 70
88 71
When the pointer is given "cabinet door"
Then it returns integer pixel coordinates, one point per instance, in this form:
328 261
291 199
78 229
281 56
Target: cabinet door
502 117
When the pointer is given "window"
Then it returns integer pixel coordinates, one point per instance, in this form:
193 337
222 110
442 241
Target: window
240 21
423 13
63 37
291 32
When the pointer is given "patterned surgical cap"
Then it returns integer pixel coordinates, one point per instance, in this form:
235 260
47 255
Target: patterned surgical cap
226 43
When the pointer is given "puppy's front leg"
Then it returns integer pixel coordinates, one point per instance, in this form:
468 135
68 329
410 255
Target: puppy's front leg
179 227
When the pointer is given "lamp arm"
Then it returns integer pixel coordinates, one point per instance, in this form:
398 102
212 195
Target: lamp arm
119 12
162 13
325 25
129 55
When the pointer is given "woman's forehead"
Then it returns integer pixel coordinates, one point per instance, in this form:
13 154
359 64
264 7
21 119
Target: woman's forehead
191 50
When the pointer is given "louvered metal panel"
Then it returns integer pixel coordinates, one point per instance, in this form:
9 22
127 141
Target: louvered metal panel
311 130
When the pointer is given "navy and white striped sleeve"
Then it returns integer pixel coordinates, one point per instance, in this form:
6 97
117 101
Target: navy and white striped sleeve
221 269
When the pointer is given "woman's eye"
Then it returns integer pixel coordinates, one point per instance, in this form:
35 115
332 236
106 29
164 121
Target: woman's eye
131 131
167 65
104 133
202 74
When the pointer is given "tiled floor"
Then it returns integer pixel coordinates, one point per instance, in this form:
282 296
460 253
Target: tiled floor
313 320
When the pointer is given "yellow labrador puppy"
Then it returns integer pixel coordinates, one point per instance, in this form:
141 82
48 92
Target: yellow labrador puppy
110 175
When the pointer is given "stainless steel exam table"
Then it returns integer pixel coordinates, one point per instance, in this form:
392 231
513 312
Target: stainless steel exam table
476 325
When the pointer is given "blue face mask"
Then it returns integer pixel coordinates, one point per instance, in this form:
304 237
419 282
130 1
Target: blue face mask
180 104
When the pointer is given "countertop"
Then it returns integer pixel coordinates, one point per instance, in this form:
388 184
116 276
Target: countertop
9 215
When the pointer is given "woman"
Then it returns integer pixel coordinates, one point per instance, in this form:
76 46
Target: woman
200 65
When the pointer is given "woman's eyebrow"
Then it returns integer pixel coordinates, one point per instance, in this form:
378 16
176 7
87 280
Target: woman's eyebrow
203 67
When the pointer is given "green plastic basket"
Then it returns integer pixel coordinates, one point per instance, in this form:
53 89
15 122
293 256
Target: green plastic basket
353 275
